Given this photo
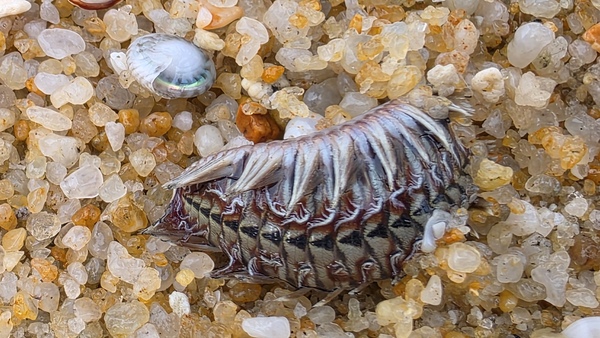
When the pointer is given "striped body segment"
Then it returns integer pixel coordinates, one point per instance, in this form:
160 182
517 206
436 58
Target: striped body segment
335 209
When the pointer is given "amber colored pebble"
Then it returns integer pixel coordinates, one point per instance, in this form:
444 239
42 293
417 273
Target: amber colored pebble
24 307
130 119
298 20
128 217
307 324
272 74
257 128
21 130
47 271
100 142
30 85
585 253
592 36
160 260
356 23
452 236
245 292
60 254
156 124
508 301
87 216
8 219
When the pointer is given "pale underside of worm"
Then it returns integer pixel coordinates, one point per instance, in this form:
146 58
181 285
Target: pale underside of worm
335 209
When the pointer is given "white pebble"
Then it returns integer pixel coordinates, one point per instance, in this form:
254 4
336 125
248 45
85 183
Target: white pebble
180 303
299 126
60 43
208 140
183 121
49 118
13 7
84 182
489 83
115 132
267 327
527 43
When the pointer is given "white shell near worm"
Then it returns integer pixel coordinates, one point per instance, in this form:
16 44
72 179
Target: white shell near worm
170 66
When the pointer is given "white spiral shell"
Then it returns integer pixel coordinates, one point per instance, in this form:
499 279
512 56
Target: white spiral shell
170 66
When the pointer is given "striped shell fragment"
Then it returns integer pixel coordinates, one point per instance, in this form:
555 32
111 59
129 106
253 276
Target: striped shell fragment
335 209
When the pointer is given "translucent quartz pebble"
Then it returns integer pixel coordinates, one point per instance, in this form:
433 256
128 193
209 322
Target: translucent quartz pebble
577 207
48 83
49 118
147 283
123 319
355 103
115 132
527 43
525 223
223 3
101 238
110 91
510 267
87 309
143 161
43 225
208 140
49 12
258 35
183 121
48 295
13 7
112 189
155 62
7 118
77 237
78 91
543 9
120 23
78 272
199 262
397 310
432 293
299 126
322 95
469 6
100 114
463 257
534 91
554 276
147 331
582 297
55 172
267 327
180 303
60 43
121 264
84 182
321 314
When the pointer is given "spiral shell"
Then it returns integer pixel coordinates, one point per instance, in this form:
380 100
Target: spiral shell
170 66
337 208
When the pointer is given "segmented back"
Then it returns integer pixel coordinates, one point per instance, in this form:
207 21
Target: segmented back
337 208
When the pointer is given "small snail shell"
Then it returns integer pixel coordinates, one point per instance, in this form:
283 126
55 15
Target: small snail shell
94 4
170 66
584 327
